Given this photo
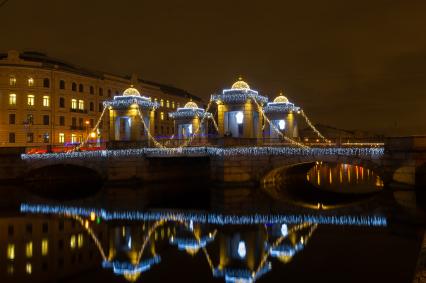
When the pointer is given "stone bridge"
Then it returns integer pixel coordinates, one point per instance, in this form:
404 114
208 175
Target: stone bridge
401 160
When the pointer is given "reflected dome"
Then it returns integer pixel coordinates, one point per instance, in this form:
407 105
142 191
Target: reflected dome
191 105
131 91
240 84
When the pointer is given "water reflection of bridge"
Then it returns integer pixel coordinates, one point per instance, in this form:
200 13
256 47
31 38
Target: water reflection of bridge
237 248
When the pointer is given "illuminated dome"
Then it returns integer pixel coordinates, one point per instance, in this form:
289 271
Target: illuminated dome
131 91
191 104
240 84
281 99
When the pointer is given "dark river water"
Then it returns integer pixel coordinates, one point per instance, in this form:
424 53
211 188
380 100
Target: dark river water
329 223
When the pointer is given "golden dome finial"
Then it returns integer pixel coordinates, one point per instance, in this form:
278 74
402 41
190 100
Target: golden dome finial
131 91
240 84
281 98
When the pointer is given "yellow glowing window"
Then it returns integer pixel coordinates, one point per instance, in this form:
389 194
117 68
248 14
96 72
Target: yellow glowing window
167 104
44 247
80 240
81 104
10 269
12 81
30 100
72 242
61 137
12 99
74 138
173 104
46 101
73 103
11 251
162 115
162 103
29 249
30 82
28 268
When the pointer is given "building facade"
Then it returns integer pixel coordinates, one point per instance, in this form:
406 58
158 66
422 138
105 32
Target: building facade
44 101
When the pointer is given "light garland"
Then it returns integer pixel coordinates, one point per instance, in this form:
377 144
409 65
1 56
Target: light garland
210 218
147 129
123 102
187 113
312 126
238 96
126 268
278 107
95 128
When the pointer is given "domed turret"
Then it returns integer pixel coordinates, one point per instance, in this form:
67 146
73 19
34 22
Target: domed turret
131 91
281 99
240 84
191 105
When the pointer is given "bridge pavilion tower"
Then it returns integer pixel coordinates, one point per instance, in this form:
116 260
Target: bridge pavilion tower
131 116
188 119
239 115
282 115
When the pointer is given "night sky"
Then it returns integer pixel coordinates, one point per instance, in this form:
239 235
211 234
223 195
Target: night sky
349 64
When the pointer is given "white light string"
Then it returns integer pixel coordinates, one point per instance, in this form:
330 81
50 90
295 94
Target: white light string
312 126
93 130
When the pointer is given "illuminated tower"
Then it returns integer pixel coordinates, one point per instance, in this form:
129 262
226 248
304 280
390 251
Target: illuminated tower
131 117
239 115
282 116
189 121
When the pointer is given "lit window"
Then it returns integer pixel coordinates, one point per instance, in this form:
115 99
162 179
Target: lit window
72 242
11 251
12 81
81 104
28 268
44 247
46 101
61 137
73 138
162 103
167 104
173 104
80 240
73 103
30 100
12 99
29 249
162 115
10 269
30 82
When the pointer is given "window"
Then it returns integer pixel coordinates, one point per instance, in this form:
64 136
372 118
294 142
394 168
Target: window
45 119
100 107
72 242
12 99
30 100
73 138
80 240
61 102
28 268
46 101
29 249
44 247
162 116
30 137
12 81
62 84
173 104
74 122
81 104
80 122
46 82
11 251
92 90
167 104
45 227
11 137
162 102
101 91
92 123
61 120
74 87
12 119
73 103
109 93
46 137
30 119
61 137
80 88
10 230
30 82
92 106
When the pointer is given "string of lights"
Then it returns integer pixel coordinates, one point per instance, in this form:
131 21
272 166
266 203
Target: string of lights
95 128
147 129
312 126
210 218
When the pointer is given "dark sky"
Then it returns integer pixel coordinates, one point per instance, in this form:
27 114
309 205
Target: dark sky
350 64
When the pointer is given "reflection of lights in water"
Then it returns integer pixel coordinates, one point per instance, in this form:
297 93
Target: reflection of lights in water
242 249
330 177
284 230
341 174
318 178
